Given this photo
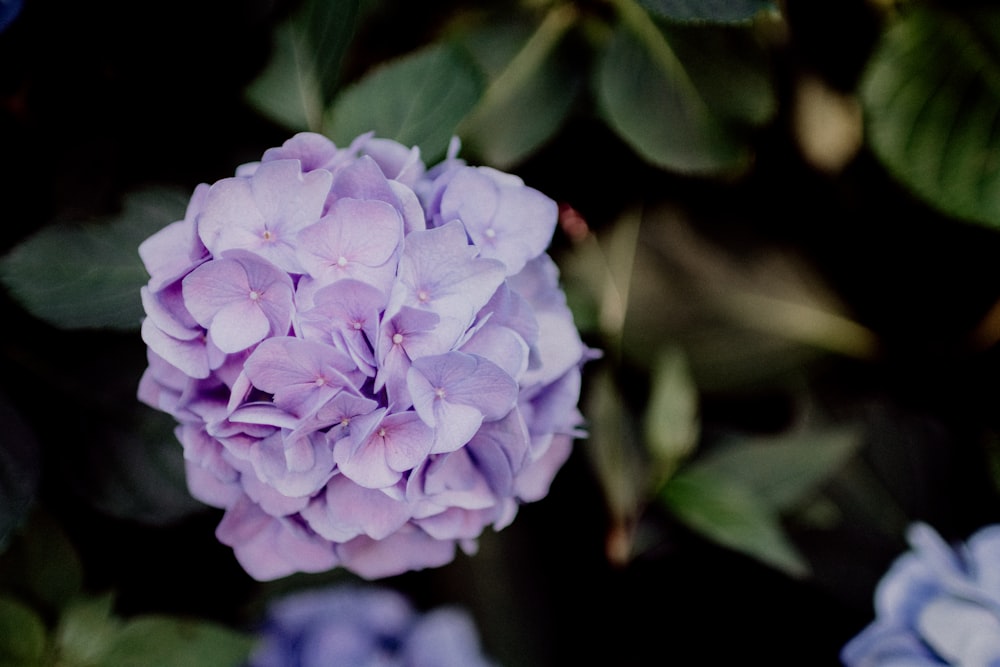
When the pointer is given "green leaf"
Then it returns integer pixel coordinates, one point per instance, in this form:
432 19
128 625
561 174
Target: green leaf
328 28
712 11
931 98
532 87
418 99
20 470
671 418
648 97
732 515
22 634
41 565
731 70
86 630
737 494
783 471
161 641
302 75
88 276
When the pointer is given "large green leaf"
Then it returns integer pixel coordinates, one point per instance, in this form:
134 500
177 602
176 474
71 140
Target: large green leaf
20 470
88 276
532 87
683 100
738 494
712 11
418 99
931 97
732 515
783 471
163 641
302 75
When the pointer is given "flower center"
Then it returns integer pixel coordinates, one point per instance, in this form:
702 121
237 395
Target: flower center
397 338
423 296
491 233
439 392
267 235
342 261
254 295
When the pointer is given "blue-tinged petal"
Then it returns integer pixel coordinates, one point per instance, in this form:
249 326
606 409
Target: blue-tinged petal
960 631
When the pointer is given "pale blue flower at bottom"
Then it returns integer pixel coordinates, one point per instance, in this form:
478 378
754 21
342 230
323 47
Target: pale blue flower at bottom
936 605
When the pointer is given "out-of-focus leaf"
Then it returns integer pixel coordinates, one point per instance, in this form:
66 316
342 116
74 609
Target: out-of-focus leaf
731 514
88 276
742 319
682 99
616 459
783 471
302 75
532 87
86 630
737 494
20 470
656 109
41 565
730 69
137 472
328 28
161 641
932 103
671 418
711 11
418 99
22 635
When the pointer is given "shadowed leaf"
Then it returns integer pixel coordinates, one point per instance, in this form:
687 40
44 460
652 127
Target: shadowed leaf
931 97
88 276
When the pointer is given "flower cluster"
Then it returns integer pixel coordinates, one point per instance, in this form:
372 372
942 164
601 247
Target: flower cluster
937 605
364 627
369 361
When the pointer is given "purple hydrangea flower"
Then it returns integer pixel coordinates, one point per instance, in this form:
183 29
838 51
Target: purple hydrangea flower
370 362
351 626
937 605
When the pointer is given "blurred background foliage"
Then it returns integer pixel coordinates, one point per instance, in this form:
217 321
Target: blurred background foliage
778 221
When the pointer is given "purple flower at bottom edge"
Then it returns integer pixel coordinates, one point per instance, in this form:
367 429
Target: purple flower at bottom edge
936 605
353 626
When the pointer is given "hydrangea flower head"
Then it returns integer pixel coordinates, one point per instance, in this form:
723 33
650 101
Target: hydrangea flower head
369 361
351 626
937 605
